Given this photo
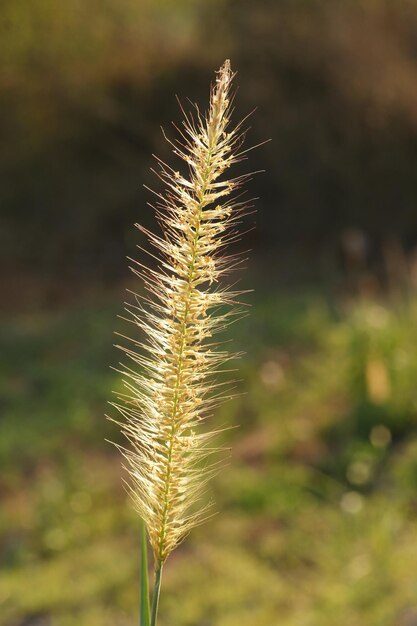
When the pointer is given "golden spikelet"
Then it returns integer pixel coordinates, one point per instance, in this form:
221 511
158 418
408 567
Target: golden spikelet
171 386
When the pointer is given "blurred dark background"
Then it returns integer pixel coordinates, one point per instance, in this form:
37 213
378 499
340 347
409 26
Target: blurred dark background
85 89
318 506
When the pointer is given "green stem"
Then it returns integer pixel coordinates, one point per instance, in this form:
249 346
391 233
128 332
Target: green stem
144 585
156 592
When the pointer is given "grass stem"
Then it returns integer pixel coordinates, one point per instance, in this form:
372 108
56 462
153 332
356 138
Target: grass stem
144 585
156 592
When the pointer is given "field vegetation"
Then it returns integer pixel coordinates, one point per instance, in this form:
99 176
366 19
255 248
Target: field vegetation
318 504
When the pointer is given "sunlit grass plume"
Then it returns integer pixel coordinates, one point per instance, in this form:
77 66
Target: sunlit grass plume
171 384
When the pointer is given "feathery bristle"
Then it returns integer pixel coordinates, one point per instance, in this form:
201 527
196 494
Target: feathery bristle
171 386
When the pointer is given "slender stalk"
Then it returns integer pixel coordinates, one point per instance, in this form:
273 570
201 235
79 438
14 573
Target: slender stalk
144 585
156 592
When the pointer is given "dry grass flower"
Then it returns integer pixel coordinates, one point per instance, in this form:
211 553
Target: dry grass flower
171 386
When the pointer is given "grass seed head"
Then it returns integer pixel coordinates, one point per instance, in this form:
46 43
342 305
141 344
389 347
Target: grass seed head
171 386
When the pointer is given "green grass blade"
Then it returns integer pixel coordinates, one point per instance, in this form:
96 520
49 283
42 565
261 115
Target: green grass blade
144 580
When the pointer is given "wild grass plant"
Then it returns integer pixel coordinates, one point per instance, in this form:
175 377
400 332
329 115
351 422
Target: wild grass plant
171 385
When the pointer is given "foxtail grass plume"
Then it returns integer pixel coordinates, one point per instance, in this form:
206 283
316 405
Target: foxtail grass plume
171 385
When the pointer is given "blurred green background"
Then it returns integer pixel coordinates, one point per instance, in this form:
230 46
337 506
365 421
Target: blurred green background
317 519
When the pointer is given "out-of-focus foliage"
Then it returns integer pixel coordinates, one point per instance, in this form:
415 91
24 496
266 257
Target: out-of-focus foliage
318 516
61 62
85 87
82 96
